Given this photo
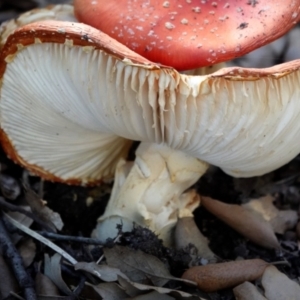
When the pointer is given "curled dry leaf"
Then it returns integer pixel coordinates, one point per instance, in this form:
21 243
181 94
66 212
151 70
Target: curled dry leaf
248 223
280 220
187 232
39 208
247 291
214 277
278 286
53 271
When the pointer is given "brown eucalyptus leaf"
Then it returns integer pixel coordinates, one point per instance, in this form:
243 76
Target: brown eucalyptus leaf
8 282
248 223
44 286
109 291
27 250
137 265
214 277
187 232
104 272
280 220
278 286
247 291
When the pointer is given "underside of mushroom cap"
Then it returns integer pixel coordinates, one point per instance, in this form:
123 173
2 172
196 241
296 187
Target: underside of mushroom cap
188 34
242 120
55 131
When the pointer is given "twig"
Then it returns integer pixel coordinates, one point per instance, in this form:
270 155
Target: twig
114 241
70 238
15 260
43 240
21 210
80 286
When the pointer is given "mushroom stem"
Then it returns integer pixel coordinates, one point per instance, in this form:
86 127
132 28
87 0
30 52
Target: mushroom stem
150 192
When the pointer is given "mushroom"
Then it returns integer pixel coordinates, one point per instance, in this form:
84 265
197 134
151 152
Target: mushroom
190 34
66 124
72 122
184 35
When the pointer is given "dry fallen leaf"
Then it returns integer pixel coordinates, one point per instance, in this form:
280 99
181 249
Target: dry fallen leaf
278 286
53 271
134 289
8 282
153 295
214 277
248 223
44 286
127 289
103 272
247 291
38 206
280 220
137 265
27 250
187 232
40 238
109 291
22 219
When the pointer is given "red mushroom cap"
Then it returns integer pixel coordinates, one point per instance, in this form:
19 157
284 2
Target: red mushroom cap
190 33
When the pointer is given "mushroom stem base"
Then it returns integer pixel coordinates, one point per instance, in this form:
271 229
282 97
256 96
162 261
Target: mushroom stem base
150 192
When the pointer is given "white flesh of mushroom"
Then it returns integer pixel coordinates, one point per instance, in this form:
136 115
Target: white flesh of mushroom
74 119
150 192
